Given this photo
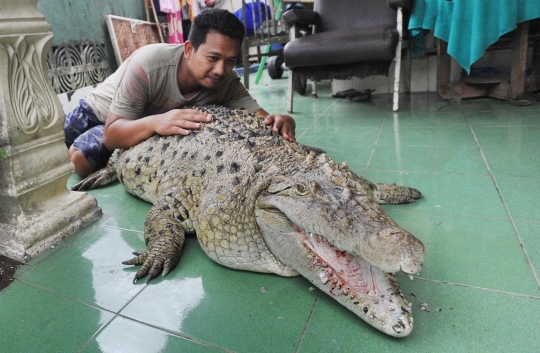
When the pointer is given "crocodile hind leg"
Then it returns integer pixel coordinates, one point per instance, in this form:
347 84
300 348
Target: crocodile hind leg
99 178
164 234
394 194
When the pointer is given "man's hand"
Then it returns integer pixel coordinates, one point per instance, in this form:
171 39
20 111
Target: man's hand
180 121
125 133
283 125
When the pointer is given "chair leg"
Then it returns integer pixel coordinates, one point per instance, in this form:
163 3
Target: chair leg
314 93
407 66
245 58
397 72
290 92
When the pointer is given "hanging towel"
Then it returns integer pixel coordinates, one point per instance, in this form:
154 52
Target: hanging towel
169 6
174 18
176 34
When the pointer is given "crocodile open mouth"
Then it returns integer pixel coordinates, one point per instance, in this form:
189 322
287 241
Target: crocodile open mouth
351 275
345 272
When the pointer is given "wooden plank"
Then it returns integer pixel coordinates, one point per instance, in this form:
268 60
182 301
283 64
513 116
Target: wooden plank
128 35
519 60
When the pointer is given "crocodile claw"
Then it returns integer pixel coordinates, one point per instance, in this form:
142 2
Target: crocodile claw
151 264
150 277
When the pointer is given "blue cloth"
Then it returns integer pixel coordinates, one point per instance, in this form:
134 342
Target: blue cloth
260 15
84 131
469 26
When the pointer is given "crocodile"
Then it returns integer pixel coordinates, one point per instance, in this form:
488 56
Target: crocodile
257 202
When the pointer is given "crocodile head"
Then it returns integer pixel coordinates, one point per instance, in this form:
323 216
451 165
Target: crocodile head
325 223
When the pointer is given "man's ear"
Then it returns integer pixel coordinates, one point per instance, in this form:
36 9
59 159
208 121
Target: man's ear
188 49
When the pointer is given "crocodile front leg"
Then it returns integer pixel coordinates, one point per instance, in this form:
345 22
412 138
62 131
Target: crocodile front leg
394 194
164 234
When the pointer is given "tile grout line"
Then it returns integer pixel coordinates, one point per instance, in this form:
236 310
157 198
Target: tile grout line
315 120
494 180
119 314
401 210
116 314
374 146
120 228
448 173
425 172
95 306
301 339
528 296
173 333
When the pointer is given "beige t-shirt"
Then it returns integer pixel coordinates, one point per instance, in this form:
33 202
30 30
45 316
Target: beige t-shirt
124 96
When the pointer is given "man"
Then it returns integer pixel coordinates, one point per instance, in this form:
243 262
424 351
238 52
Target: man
146 94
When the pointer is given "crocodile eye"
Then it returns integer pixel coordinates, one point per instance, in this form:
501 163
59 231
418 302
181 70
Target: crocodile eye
301 189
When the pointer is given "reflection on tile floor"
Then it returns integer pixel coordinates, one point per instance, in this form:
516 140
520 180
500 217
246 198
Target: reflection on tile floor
476 163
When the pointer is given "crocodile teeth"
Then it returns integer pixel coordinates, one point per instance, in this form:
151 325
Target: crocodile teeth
325 275
322 276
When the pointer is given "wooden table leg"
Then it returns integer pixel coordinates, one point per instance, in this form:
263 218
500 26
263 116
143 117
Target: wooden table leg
533 83
519 59
515 88
453 91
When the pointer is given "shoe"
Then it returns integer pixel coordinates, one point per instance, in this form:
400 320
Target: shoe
344 94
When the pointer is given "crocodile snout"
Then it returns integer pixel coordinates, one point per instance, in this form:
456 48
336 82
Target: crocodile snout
394 249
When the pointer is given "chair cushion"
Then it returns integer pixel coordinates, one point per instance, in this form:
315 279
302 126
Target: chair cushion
341 47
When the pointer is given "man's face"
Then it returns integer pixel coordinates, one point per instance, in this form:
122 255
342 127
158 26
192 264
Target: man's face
214 60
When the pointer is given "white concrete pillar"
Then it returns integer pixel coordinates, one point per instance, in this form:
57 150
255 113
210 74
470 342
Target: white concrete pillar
36 209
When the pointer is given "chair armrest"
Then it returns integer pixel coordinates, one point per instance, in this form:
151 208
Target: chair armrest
301 17
405 4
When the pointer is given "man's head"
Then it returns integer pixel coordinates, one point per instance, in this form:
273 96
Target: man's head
213 48
216 20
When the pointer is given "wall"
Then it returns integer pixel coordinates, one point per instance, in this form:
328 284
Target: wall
84 20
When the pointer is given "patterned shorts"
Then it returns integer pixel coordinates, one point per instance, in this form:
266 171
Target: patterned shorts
84 131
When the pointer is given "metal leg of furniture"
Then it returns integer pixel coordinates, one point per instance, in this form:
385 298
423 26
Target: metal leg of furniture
290 92
397 72
314 93
245 58
406 75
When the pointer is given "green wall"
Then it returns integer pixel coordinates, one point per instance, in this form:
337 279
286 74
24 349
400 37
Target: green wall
84 20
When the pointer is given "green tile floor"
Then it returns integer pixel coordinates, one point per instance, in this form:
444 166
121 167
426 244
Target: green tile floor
477 164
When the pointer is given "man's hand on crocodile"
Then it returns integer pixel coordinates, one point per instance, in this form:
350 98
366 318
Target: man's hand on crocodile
181 121
283 125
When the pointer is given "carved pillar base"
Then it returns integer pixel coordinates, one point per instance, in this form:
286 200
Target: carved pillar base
36 209
37 232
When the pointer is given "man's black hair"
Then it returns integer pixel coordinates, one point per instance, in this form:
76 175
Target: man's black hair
221 21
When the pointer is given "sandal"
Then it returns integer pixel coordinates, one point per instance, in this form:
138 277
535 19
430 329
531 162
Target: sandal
344 94
364 96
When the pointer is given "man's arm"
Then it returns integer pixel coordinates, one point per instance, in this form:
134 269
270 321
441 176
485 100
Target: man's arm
282 124
131 98
125 133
